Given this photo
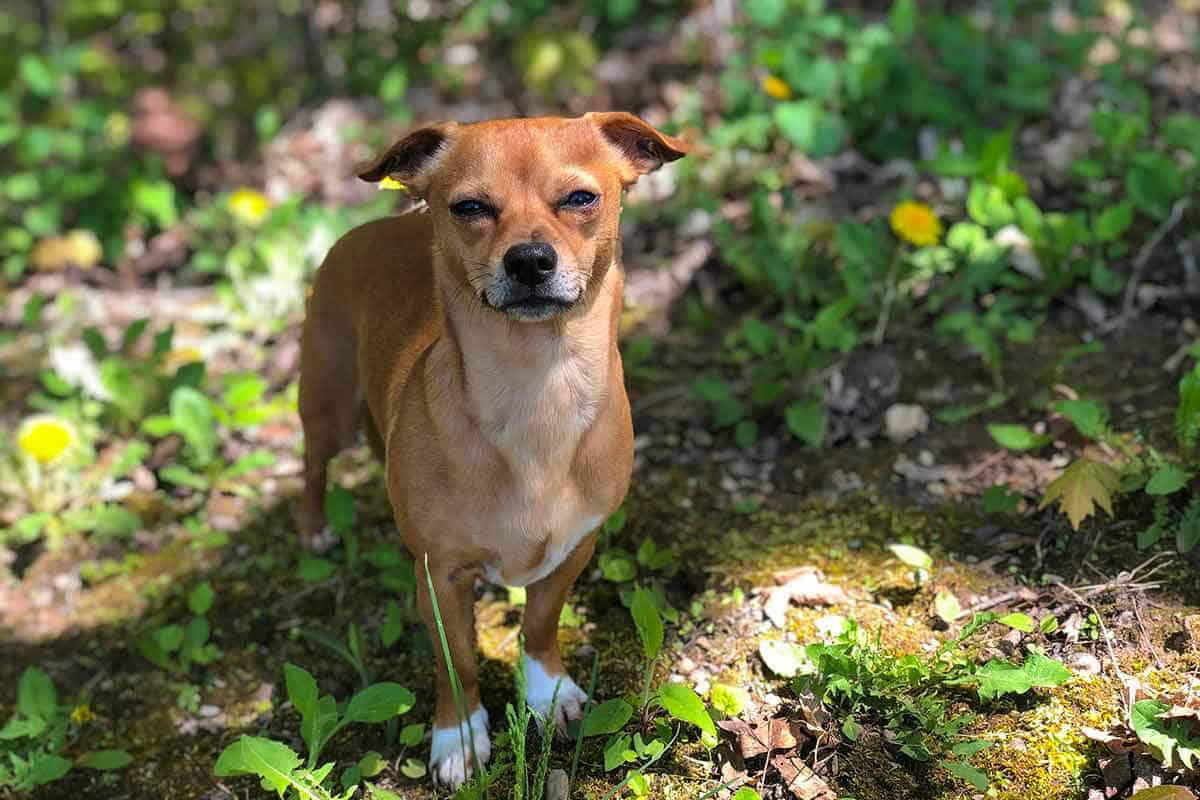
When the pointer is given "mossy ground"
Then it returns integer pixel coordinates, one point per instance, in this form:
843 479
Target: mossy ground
261 604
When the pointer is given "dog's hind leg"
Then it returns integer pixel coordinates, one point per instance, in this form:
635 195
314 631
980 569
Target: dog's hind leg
330 404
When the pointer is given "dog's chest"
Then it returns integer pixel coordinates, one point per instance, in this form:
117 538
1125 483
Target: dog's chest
543 510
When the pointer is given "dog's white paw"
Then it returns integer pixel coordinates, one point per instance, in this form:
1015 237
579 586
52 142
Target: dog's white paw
448 762
539 694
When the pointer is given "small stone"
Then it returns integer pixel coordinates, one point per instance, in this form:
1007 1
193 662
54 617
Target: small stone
771 699
556 785
686 664
903 421
207 710
1085 663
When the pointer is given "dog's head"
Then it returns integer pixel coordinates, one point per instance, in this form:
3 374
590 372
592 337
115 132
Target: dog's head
526 210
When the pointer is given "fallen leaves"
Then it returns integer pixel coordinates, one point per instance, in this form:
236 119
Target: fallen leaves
79 248
804 586
778 740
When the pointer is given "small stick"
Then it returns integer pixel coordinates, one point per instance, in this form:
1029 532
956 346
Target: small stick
1143 260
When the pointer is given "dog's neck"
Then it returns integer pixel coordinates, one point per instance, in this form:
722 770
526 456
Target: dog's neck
532 389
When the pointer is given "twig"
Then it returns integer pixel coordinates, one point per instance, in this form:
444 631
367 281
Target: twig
1142 261
1112 656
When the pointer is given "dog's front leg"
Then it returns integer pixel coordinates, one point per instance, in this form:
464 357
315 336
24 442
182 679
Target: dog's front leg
543 664
451 758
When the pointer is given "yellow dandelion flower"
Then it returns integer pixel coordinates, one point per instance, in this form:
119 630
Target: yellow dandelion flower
82 714
248 206
776 87
392 184
916 223
45 438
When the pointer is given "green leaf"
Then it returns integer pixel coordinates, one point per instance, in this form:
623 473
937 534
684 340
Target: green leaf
813 129
607 717
729 700
1112 223
1044 672
1089 417
617 566
947 606
193 416
914 557
988 206
411 735
1018 621
1083 485
393 624
766 13
201 598
48 768
783 658
616 751
37 75
340 510
252 755
105 759
1168 479
998 678
379 703
746 793
313 570
999 500
413 769
968 773
682 703
807 420
648 622
301 689
1016 437
851 729
903 19
36 695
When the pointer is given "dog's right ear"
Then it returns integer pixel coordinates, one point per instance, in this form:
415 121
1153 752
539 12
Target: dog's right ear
410 159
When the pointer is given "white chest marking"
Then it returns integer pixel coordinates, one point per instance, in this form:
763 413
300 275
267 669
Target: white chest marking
557 550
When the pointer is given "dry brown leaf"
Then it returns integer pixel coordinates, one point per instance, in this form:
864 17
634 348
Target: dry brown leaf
804 586
802 782
814 715
757 737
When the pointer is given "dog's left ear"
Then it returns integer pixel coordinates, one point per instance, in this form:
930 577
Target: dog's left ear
643 147
411 159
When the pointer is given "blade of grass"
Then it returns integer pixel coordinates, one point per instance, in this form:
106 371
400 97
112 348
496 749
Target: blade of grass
579 733
460 701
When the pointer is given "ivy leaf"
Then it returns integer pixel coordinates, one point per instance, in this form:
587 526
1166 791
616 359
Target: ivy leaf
1084 485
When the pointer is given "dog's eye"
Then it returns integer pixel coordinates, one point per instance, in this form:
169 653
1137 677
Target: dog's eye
579 199
468 208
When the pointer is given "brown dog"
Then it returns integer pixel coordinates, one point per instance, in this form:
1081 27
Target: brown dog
476 344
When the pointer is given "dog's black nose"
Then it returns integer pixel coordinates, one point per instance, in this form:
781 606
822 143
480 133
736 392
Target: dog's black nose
530 263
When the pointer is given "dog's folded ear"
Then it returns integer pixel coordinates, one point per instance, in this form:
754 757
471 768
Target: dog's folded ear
410 158
645 148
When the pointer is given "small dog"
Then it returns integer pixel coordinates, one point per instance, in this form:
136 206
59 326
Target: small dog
475 342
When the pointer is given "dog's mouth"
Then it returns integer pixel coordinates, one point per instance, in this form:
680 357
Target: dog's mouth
533 307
